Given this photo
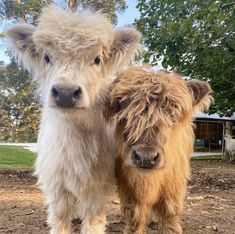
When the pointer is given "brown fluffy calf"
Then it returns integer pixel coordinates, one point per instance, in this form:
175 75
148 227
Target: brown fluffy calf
154 135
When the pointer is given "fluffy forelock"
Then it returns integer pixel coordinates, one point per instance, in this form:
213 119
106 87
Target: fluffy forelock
149 101
72 34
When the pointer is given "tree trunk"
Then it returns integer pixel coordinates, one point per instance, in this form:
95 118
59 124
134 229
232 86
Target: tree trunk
73 4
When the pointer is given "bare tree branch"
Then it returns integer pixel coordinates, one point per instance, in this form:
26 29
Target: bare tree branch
73 4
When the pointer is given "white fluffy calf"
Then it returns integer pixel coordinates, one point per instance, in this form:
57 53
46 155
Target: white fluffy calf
230 145
72 56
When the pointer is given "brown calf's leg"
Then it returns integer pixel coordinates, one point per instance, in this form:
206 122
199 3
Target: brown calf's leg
171 225
137 216
169 211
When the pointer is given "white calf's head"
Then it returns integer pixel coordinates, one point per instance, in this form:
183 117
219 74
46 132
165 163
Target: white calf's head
71 54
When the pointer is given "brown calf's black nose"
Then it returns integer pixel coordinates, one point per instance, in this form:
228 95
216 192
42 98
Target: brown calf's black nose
145 161
66 96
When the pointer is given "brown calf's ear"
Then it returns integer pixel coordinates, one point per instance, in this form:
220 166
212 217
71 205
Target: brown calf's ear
107 111
199 90
110 109
126 45
20 37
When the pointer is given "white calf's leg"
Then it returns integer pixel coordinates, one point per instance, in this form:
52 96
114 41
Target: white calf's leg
60 211
91 210
94 224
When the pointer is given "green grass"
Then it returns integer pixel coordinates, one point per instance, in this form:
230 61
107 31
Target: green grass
207 157
16 157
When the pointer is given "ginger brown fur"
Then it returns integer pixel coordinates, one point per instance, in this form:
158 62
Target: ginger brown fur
153 112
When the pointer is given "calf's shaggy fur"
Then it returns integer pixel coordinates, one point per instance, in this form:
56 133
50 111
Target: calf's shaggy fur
230 146
72 56
154 137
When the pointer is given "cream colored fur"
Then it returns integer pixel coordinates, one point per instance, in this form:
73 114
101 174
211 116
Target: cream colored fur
75 163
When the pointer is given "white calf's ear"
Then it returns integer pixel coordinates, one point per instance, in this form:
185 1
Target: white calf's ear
20 37
200 92
126 45
22 44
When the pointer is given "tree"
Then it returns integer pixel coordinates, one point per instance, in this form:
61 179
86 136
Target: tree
4 125
29 10
18 105
197 39
109 7
23 10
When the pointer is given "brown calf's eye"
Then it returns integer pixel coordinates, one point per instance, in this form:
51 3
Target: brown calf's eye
97 60
46 58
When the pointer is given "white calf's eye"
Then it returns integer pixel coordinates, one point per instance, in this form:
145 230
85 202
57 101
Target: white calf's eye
46 58
97 60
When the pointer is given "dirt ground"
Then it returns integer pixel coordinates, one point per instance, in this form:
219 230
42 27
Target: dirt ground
209 207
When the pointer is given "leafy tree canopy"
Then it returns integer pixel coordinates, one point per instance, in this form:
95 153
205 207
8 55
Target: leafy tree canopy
197 39
29 10
25 10
18 105
109 7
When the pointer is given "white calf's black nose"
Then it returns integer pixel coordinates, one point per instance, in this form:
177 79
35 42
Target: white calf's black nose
66 96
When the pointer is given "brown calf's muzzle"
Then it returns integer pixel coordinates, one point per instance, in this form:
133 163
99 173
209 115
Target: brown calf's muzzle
145 159
66 96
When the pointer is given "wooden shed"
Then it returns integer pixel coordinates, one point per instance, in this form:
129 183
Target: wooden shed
210 131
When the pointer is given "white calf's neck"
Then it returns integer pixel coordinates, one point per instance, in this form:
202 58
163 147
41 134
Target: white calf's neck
72 146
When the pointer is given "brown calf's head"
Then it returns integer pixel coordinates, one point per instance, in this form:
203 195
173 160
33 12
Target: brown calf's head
71 55
147 106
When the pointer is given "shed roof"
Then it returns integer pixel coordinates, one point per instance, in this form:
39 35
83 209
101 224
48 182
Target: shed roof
215 116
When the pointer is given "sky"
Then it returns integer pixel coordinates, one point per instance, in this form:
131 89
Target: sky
129 15
125 18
